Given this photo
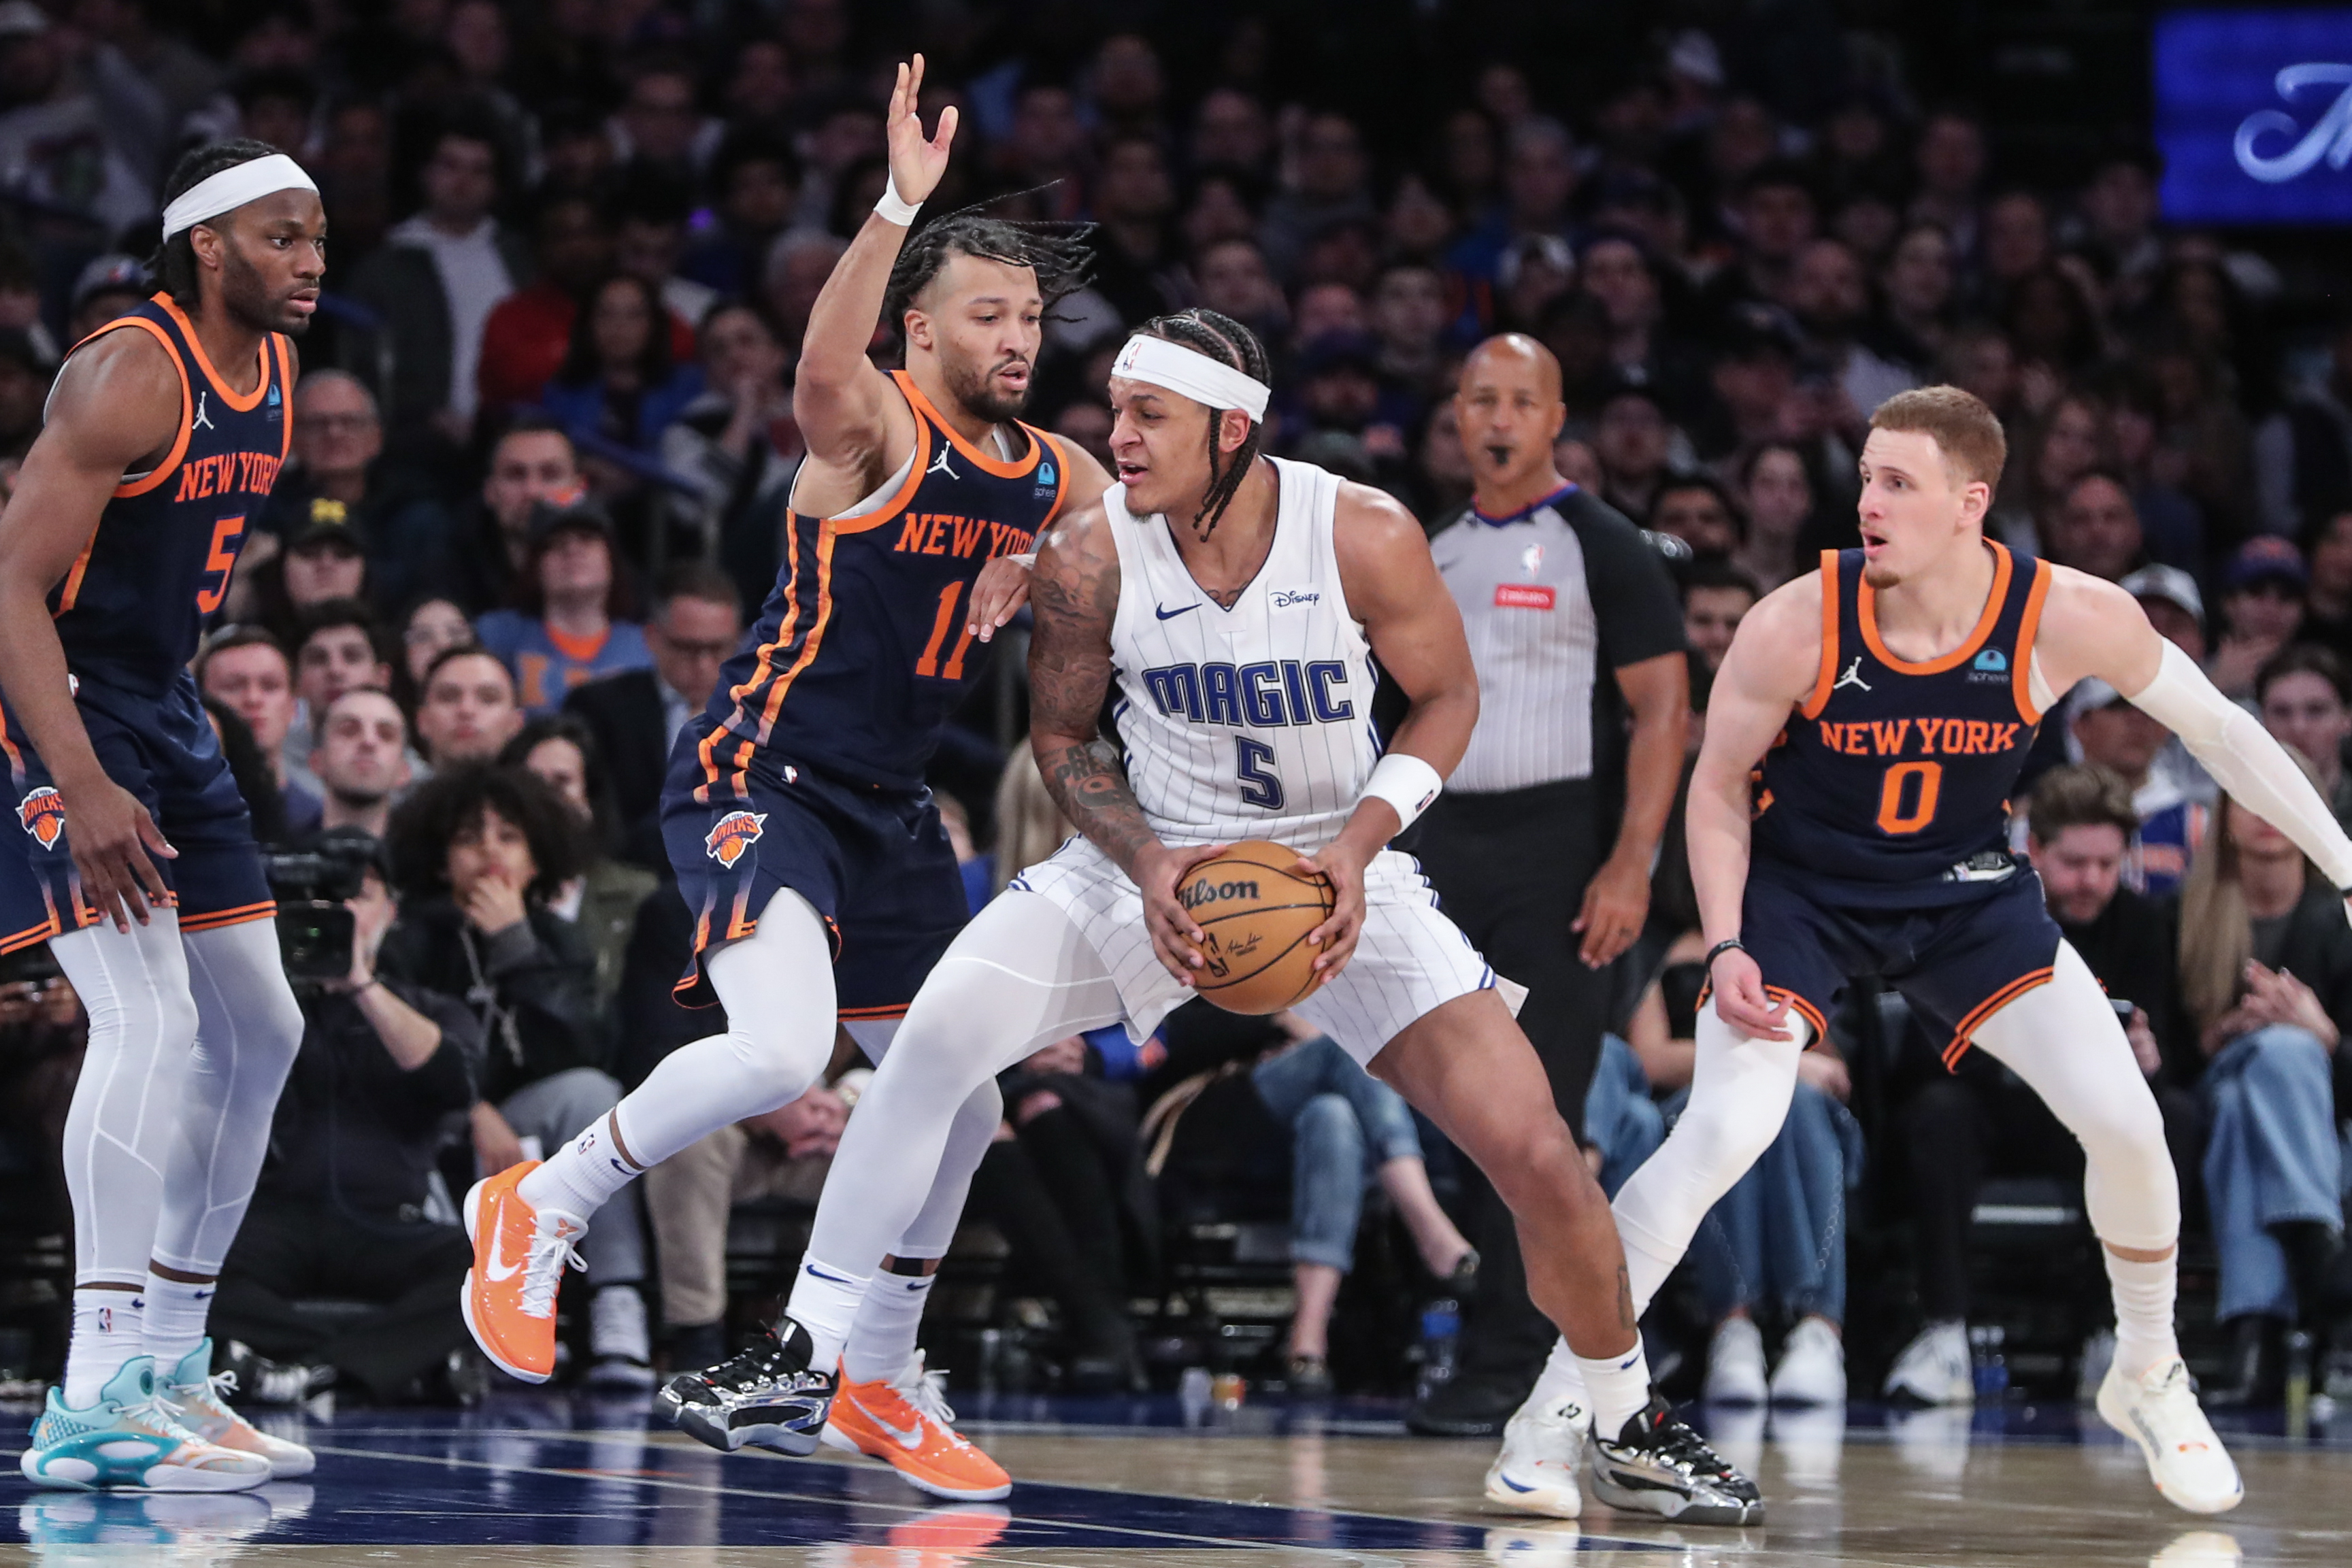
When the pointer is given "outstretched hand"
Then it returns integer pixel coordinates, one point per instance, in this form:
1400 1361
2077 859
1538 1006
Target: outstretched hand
915 162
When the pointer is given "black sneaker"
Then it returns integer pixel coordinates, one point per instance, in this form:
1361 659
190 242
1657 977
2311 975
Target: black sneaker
261 1381
1473 1403
1658 1465
766 1395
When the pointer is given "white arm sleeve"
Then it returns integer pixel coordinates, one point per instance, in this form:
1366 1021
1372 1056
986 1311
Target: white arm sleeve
2245 760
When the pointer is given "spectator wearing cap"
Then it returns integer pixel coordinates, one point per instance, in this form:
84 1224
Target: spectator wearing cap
569 623
1634 442
2174 605
108 287
2304 696
325 558
340 488
2327 600
1696 509
246 668
2096 528
2102 727
2262 604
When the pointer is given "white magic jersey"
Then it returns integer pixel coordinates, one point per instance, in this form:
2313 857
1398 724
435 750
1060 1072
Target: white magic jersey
1256 723
1253 722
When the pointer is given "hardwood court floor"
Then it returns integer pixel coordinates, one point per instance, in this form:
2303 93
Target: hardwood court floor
549 1480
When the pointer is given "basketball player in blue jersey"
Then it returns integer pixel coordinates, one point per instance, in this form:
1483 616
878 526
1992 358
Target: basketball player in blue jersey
821 885
130 853
1849 817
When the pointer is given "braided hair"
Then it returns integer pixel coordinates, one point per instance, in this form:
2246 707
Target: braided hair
1228 342
174 264
1061 255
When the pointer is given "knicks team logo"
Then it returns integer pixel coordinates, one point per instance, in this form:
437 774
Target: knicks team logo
733 834
43 812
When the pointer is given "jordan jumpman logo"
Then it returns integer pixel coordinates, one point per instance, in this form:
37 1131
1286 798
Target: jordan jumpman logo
202 420
1852 676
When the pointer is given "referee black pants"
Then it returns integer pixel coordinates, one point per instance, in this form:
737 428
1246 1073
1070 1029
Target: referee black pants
1510 869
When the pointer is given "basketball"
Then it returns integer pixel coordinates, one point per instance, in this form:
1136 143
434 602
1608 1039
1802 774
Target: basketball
1255 908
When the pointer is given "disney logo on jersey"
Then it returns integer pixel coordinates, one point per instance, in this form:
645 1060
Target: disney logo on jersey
733 834
43 813
1936 737
2330 136
1990 668
1288 598
1269 694
946 534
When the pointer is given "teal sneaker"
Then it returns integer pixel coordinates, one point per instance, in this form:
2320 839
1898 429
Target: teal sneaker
201 1396
131 1440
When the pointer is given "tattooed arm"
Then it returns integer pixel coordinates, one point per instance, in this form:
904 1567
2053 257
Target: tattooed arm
1073 596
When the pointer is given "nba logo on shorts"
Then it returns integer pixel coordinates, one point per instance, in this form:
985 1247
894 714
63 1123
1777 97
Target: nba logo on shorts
733 833
43 812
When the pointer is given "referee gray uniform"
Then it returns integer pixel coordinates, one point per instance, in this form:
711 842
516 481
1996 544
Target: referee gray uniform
1555 599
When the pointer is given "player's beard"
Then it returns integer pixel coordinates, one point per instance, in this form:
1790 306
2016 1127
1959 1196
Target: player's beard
977 390
249 298
1879 577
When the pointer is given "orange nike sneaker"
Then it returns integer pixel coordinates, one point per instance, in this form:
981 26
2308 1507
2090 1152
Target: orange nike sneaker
907 1422
519 1253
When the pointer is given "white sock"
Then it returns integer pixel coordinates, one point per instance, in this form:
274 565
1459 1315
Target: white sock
582 1175
824 1301
882 1339
2143 1298
108 1332
1561 1378
1618 1386
174 1322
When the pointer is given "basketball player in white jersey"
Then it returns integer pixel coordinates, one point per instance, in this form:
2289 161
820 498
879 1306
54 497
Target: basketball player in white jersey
1239 602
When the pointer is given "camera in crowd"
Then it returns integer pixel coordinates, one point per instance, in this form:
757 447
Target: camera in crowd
315 928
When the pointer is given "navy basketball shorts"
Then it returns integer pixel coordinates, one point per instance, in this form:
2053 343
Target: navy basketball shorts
1956 964
165 753
875 862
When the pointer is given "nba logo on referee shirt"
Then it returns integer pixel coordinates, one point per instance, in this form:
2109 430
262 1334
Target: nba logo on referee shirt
732 834
43 812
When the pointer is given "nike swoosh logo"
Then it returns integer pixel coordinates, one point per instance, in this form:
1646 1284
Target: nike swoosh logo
910 1439
823 1275
1514 1484
1172 615
499 1268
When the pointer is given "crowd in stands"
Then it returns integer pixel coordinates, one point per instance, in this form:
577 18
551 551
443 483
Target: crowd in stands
542 448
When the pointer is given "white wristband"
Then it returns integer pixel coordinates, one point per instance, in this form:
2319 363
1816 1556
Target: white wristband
1405 782
893 208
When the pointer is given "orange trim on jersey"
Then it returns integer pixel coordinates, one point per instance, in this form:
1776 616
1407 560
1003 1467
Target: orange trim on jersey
926 412
26 938
1061 472
579 649
286 380
9 748
251 400
162 471
1819 698
865 1015
243 914
1985 1009
2021 672
1796 1004
1865 604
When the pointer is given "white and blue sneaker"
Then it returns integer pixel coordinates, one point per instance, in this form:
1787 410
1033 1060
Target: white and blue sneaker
1543 1448
201 1396
132 1438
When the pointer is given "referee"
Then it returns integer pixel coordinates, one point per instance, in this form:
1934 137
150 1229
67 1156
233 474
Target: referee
1541 845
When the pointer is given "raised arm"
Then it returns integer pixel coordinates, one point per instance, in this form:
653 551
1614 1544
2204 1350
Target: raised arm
859 428
2090 627
116 403
1771 667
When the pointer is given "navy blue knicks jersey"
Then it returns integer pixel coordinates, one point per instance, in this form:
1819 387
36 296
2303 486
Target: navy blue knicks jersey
1889 788
861 654
133 606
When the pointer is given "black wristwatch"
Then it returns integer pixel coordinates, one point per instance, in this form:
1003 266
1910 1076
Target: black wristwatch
1729 945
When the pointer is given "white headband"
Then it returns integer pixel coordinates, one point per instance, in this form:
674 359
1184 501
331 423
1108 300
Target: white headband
1192 373
232 188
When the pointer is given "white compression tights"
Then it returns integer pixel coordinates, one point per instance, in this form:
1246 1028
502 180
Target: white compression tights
189 1040
2063 1039
1019 977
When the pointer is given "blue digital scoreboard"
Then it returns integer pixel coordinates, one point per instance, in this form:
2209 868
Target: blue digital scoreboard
2253 115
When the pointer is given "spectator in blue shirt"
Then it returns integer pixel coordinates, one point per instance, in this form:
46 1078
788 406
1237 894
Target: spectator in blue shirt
573 615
